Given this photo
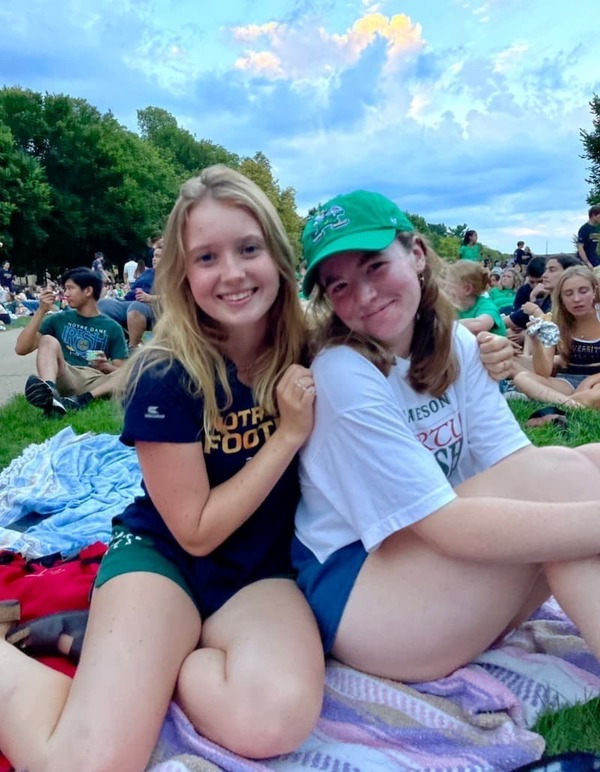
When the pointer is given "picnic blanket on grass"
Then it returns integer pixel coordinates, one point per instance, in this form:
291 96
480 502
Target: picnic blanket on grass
478 718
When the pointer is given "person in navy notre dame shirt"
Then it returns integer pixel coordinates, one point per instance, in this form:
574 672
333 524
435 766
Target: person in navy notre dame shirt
195 596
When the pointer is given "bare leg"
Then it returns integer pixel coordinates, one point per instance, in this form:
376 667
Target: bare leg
545 389
136 327
49 361
256 686
141 628
576 585
588 397
430 613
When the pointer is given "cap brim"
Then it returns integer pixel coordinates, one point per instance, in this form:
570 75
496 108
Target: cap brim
367 241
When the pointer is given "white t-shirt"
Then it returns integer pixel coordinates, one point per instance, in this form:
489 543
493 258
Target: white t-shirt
381 456
129 271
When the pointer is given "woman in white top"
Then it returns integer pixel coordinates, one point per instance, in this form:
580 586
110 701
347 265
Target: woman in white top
428 525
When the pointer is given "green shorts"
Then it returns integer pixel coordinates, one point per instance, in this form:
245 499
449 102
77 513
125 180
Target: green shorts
127 552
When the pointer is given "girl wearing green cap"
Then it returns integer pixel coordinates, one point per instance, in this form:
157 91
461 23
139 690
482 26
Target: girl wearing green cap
420 538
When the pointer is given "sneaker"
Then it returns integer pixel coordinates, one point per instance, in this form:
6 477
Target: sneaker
40 394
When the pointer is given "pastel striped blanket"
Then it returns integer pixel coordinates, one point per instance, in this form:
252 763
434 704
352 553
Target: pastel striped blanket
478 718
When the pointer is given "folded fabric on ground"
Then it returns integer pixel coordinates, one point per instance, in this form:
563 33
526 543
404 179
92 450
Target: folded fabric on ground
475 719
69 488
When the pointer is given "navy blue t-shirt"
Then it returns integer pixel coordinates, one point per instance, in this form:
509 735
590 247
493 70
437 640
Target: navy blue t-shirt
144 281
162 409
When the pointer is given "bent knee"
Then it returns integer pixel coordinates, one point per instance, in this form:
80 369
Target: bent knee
272 718
49 341
277 727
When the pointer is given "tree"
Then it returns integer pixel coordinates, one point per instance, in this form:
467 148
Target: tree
591 143
181 148
259 170
25 202
109 189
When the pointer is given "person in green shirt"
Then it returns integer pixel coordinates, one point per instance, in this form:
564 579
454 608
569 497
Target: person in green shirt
466 283
504 295
470 248
79 350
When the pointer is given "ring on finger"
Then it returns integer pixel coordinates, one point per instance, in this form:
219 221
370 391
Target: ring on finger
305 388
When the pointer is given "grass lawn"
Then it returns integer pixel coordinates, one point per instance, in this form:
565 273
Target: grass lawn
570 729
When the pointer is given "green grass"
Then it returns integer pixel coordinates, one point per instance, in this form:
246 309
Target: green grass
21 424
17 324
570 729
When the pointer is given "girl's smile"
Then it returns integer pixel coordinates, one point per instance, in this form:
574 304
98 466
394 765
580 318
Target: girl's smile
232 276
376 293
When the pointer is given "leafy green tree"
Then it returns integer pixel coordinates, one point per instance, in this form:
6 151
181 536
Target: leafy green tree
109 188
591 144
179 146
259 170
24 202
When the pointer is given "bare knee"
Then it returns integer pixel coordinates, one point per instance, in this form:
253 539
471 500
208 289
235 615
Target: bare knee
277 718
266 718
48 343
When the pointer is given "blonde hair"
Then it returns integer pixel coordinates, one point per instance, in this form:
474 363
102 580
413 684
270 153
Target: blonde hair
185 333
433 366
563 318
516 274
468 272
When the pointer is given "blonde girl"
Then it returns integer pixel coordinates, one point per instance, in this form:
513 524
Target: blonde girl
569 373
194 596
503 296
467 283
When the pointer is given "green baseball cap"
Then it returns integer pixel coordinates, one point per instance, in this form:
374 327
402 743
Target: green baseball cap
360 220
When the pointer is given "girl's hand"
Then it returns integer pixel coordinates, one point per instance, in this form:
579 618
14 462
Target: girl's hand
531 309
496 353
295 400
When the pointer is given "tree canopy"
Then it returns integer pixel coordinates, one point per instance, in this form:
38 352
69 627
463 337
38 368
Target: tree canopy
73 181
591 144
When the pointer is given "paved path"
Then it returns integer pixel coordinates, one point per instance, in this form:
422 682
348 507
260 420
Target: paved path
13 369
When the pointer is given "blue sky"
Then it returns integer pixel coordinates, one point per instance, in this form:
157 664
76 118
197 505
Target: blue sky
463 111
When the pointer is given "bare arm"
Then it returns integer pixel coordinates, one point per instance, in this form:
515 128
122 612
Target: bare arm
481 323
201 517
503 530
30 335
583 256
542 358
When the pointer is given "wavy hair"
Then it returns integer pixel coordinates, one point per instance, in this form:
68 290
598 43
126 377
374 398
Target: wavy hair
433 366
185 333
468 272
563 318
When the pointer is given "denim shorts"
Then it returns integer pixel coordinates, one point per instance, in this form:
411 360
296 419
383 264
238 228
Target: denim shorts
327 586
573 378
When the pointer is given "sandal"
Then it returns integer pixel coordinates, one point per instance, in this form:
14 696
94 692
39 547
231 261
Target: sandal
547 415
41 635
